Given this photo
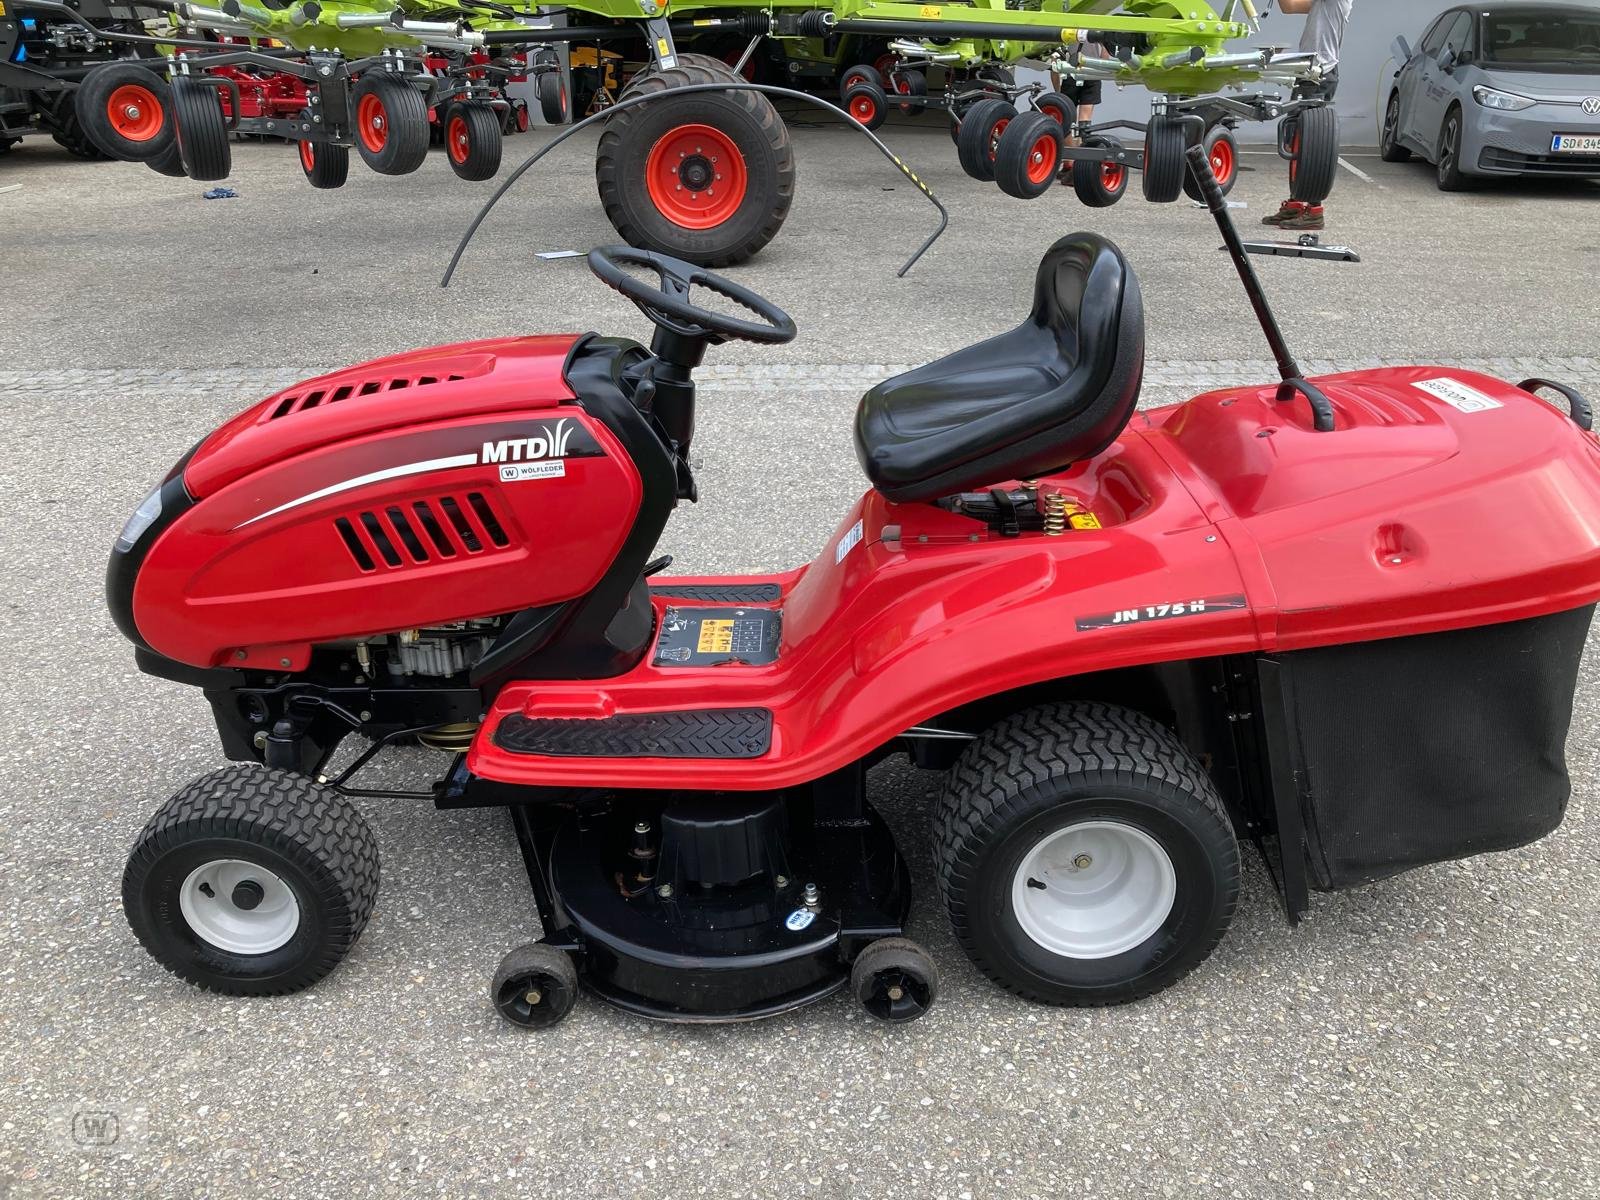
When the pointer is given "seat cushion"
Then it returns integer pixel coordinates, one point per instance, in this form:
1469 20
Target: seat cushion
1054 390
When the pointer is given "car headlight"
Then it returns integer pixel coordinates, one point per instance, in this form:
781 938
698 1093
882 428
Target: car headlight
143 517
1494 98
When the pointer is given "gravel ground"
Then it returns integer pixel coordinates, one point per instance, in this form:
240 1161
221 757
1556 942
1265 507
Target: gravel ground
1431 1035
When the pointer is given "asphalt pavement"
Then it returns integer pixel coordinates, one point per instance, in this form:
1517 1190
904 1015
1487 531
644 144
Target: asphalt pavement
1432 1035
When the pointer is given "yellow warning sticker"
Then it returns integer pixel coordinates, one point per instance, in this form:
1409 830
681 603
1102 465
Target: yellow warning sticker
932 12
701 24
716 637
1081 518
662 48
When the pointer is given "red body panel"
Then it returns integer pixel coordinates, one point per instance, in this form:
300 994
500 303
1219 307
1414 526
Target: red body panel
1412 516
259 569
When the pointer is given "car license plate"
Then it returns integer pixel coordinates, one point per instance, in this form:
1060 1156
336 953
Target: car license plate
1575 143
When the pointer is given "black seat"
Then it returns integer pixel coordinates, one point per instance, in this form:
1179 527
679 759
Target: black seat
1055 390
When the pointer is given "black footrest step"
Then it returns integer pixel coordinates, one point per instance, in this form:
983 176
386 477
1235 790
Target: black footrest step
721 593
704 733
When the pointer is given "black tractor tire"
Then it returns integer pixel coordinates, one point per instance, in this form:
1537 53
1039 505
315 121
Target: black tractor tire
125 109
472 141
535 986
1027 158
981 130
859 73
1315 160
1021 810
301 837
1222 152
1164 167
169 163
1057 107
745 125
326 166
554 105
868 104
1389 147
1450 176
908 81
201 130
391 123
895 980
1099 184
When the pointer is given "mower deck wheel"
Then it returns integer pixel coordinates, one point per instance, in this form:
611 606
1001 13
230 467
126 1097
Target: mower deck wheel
867 103
1028 155
553 106
982 126
895 980
391 124
251 882
1164 166
200 130
472 140
326 165
535 986
1222 152
1313 154
125 110
707 177
1099 184
1084 855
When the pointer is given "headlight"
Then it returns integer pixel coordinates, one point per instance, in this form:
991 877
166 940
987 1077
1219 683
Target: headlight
143 517
1492 98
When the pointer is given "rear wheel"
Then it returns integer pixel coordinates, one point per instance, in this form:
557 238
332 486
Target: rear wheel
1099 184
867 103
252 882
981 129
1084 856
707 177
391 124
1222 152
124 109
1313 154
325 165
553 104
1028 155
1389 147
1164 168
200 130
472 141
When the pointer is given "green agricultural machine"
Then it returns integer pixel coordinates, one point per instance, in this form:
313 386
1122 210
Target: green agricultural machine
704 170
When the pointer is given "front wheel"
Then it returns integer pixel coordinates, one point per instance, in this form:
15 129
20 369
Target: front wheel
1313 154
201 130
982 127
124 109
1164 167
1028 156
325 165
1099 184
1451 177
1084 856
251 882
391 124
472 141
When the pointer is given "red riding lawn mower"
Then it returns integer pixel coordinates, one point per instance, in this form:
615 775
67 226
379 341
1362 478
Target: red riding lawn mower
1291 613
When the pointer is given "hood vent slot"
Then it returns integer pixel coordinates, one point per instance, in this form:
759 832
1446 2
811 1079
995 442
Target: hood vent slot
299 401
425 531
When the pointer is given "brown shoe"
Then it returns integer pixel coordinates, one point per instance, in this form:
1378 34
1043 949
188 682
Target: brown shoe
1309 217
1288 209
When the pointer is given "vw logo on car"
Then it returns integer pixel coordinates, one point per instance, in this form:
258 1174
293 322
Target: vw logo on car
1591 105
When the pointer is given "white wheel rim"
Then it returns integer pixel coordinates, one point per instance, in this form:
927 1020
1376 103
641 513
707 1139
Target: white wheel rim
215 901
1094 889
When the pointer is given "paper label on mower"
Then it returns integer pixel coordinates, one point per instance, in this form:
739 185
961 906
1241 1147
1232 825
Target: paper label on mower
848 542
1142 614
1457 394
550 468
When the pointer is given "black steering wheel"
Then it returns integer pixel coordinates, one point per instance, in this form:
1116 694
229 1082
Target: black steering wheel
667 303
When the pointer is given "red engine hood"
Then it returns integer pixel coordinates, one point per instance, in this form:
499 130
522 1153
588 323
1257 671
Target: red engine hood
464 379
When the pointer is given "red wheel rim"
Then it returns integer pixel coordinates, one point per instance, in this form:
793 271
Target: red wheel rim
854 76
1111 176
134 112
1043 157
1222 161
458 140
308 156
696 176
372 123
885 63
864 109
994 135
522 120
1055 114
1294 154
